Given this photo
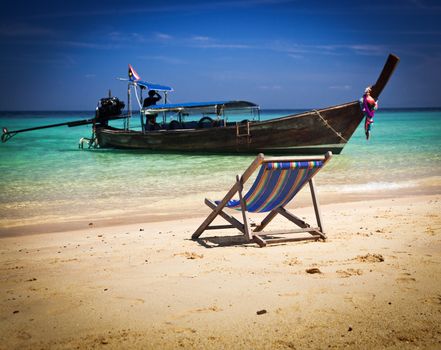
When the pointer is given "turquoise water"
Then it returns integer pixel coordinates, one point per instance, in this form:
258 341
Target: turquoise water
46 178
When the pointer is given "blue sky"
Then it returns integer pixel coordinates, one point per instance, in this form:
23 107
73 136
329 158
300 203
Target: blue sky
65 55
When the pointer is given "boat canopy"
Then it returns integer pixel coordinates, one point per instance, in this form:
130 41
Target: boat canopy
151 86
216 104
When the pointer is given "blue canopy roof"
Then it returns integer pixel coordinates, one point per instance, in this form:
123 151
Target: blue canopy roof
188 105
151 86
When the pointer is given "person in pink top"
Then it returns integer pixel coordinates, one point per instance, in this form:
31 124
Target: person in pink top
369 106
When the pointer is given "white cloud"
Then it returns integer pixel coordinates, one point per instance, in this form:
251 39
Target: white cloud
270 87
201 38
182 7
295 56
24 30
217 45
365 49
340 87
165 59
87 45
163 36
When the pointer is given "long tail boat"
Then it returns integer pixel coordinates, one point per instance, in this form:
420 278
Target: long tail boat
235 126
229 126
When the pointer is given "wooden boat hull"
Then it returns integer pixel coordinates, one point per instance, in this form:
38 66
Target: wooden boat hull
305 133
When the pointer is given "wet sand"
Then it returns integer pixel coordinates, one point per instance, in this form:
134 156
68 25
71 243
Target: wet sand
373 284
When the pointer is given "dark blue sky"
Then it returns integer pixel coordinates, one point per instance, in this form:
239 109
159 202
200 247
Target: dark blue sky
58 55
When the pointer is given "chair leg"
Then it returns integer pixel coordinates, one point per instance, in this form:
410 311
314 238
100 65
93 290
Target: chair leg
282 211
318 233
243 207
209 219
206 223
272 214
203 226
231 219
291 217
245 176
217 210
316 206
259 240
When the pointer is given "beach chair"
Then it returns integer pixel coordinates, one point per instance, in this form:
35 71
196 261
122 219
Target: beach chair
277 183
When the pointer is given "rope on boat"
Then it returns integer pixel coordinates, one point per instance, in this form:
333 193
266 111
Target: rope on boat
329 126
137 98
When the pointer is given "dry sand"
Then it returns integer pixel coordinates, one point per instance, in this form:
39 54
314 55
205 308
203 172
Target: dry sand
149 286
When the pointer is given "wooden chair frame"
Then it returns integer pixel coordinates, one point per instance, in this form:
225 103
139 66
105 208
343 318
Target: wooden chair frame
251 232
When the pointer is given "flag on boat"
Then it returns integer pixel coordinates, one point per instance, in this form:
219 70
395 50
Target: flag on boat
132 74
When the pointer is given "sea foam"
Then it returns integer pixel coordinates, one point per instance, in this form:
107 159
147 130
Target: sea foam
376 186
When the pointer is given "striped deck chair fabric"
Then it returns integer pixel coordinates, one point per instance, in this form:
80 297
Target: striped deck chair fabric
277 183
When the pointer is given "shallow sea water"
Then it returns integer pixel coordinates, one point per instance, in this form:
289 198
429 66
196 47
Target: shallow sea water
45 177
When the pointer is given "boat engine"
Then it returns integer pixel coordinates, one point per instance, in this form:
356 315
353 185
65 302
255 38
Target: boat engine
109 107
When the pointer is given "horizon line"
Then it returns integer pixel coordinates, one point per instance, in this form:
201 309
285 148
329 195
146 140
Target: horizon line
264 109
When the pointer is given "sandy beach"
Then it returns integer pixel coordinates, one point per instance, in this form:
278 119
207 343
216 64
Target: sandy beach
119 118
147 285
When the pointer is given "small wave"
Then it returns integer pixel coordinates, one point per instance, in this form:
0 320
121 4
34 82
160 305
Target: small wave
374 186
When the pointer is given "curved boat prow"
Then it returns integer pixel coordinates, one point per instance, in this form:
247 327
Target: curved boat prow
386 73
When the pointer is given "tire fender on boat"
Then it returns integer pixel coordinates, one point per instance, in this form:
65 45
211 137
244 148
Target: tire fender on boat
205 122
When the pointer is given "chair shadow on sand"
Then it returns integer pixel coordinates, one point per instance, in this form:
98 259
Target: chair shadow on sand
237 240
